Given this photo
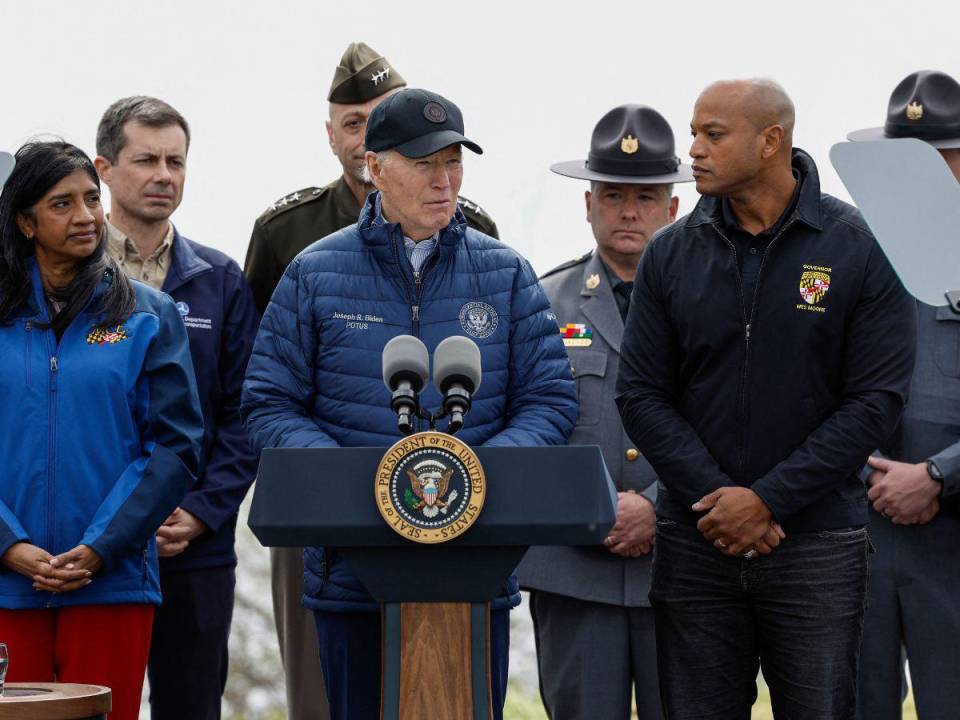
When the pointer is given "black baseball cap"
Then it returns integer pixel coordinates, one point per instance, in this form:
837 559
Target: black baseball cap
416 123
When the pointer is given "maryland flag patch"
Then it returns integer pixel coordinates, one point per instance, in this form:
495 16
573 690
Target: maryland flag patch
103 336
814 284
576 335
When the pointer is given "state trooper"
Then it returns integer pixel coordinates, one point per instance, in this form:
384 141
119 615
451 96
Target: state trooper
592 618
915 477
362 80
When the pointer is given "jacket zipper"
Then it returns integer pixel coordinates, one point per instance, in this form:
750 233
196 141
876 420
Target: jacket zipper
52 445
28 329
747 328
417 290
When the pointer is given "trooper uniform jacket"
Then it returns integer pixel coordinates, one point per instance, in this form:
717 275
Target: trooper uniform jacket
583 302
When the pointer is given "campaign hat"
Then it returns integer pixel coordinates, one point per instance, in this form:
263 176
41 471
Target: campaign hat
632 144
925 105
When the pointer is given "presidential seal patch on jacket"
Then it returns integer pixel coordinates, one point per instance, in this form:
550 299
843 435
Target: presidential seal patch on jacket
430 487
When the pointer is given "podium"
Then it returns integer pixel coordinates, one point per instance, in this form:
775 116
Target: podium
434 598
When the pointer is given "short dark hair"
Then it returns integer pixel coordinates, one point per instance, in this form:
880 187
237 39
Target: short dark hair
140 108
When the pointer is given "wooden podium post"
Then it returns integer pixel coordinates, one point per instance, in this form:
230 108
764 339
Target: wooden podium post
436 661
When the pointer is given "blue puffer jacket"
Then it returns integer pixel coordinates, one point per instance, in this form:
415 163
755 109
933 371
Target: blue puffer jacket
314 379
101 439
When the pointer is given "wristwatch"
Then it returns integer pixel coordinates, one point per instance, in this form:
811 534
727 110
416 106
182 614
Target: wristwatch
934 472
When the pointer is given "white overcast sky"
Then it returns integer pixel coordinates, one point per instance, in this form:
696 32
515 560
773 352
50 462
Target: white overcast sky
532 79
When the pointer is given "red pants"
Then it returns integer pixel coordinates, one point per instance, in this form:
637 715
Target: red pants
93 644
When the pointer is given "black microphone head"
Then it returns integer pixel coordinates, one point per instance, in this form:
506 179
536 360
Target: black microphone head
457 360
406 358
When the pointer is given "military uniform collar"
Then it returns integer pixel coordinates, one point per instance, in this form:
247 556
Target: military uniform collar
344 198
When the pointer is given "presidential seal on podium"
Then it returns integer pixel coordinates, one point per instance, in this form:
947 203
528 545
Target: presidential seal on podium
430 487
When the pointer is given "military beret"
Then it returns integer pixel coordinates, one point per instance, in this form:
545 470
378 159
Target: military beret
362 75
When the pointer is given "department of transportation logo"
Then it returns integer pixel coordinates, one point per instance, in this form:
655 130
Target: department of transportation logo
813 286
430 487
104 336
183 308
479 319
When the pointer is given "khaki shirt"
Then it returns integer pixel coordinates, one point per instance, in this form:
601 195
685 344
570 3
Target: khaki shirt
153 270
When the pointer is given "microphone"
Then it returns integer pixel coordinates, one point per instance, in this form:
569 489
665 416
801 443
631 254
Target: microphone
456 373
406 367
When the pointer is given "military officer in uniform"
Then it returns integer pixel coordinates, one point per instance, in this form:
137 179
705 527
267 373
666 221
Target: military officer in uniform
594 627
915 478
361 81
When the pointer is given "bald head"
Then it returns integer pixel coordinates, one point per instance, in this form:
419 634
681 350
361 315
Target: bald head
742 137
762 101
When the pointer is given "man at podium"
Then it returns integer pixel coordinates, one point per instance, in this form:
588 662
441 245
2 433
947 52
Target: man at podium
410 265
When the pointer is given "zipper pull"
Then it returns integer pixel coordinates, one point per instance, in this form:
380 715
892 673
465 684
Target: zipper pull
53 363
416 278
416 312
748 331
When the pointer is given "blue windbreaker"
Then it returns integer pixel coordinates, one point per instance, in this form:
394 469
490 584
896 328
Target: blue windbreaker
315 377
101 439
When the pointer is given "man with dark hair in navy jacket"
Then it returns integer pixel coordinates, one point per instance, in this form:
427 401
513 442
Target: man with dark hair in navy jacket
768 349
142 147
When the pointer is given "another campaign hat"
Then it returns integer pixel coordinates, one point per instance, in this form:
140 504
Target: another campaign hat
416 123
632 144
926 106
362 75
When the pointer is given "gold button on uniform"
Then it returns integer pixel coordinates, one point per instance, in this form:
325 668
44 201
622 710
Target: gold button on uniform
632 454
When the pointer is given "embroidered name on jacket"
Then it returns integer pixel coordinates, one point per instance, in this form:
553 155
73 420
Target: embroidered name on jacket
105 336
357 321
814 285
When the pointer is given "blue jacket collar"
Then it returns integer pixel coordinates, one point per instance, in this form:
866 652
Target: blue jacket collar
383 238
38 300
708 210
185 264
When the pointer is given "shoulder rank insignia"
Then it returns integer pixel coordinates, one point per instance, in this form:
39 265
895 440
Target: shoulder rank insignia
576 335
103 336
294 198
593 282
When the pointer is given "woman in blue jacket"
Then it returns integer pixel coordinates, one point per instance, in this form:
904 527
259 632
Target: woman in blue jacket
101 434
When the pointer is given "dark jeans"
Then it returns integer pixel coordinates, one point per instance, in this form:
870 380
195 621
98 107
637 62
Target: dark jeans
350 659
188 655
796 613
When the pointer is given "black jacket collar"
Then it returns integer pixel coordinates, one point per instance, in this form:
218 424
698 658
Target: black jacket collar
709 211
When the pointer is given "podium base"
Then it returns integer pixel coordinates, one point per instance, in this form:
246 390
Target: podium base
436 661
